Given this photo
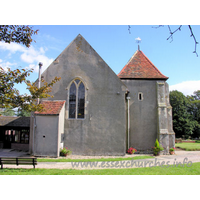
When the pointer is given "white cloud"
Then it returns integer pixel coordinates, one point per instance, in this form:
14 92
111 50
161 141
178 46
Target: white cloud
45 61
6 65
186 87
31 55
12 47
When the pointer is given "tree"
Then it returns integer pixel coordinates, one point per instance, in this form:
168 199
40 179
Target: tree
15 33
196 95
7 112
184 123
9 95
23 113
195 110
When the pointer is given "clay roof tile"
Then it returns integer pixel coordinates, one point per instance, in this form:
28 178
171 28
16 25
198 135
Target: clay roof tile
51 107
140 67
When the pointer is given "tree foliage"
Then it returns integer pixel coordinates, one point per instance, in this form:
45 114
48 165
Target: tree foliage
7 112
23 113
9 95
186 122
16 33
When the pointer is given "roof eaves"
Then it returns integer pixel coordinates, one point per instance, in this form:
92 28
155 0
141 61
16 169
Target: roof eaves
42 114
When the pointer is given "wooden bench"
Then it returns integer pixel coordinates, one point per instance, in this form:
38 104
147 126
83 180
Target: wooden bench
18 161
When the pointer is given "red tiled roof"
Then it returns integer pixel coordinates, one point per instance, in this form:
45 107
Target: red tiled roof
51 107
140 67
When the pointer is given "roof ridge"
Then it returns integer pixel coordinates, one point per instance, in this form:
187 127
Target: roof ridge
127 63
132 57
153 64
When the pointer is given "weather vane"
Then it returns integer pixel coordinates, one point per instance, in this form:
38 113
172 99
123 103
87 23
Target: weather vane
138 40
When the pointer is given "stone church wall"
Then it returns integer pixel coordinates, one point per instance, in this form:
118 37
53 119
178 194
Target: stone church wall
143 113
166 134
103 129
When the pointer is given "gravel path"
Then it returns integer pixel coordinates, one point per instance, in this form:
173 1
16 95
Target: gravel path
188 157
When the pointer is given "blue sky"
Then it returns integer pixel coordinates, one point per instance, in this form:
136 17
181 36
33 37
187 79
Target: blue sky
116 46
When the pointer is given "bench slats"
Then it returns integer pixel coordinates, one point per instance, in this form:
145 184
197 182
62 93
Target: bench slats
18 161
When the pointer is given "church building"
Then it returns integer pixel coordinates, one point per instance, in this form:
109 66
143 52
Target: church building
96 112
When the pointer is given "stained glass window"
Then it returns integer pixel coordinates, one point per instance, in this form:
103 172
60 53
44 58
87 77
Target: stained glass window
81 100
72 101
77 100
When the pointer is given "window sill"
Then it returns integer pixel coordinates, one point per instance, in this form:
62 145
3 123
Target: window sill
76 119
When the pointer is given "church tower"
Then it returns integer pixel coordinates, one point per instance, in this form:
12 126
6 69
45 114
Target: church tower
149 114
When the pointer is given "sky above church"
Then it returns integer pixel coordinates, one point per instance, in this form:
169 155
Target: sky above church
116 45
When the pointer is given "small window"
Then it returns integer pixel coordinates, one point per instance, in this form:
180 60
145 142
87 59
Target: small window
77 100
140 96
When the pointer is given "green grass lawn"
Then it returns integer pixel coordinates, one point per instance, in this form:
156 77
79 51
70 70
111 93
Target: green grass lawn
90 160
189 146
171 170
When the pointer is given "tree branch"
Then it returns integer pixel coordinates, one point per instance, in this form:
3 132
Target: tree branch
129 29
179 29
171 33
158 26
192 35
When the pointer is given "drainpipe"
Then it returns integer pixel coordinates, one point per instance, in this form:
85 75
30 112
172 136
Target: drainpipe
39 79
128 118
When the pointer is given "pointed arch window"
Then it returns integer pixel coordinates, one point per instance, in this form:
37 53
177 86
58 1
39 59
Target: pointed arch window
77 100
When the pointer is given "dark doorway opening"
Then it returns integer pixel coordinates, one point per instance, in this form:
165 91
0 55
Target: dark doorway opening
14 133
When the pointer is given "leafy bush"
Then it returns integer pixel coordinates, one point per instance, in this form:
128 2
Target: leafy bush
157 148
172 149
157 143
131 150
65 151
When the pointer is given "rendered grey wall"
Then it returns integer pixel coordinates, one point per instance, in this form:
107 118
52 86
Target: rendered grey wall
46 135
103 131
143 114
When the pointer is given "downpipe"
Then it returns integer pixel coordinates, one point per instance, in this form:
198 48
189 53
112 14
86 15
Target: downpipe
128 120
